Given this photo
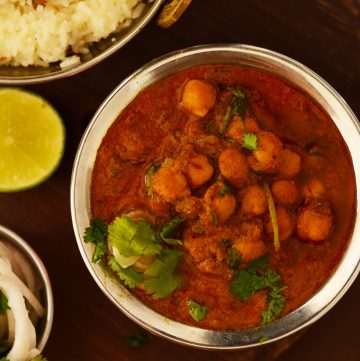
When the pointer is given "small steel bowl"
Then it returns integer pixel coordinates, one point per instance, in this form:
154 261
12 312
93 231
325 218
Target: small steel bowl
43 326
279 65
99 51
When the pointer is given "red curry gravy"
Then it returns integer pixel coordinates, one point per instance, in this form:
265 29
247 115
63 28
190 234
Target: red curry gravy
301 156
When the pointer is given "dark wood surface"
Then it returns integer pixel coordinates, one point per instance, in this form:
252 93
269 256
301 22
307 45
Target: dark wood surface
322 34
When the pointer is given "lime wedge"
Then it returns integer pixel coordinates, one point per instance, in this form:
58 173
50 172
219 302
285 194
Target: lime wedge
31 139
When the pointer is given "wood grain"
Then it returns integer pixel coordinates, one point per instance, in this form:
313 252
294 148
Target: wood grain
322 34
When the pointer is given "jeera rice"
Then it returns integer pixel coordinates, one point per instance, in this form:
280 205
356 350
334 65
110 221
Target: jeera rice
39 32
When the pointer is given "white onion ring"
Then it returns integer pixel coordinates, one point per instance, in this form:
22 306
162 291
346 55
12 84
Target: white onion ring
5 269
21 346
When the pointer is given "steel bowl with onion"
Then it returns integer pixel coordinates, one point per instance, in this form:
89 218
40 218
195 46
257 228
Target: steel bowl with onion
98 51
17 244
295 73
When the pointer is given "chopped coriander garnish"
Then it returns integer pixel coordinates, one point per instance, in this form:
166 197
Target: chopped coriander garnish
136 340
129 276
97 234
226 189
197 311
149 174
273 216
3 303
168 230
133 238
39 358
238 106
263 339
213 216
255 277
250 141
161 280
234 258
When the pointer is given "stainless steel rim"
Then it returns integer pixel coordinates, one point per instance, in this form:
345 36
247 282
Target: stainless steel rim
41 270
278 64
72 70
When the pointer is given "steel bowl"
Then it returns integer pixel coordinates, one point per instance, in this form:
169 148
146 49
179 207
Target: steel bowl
44 324
292 71
99 51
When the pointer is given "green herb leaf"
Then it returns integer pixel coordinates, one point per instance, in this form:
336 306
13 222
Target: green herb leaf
133 239
214 216
97 234
226 189
273 216
250 141
234 258
263 339
39 358
136 340
3 303
161 280
197 311
255 278
149 174
129 276
245 284
168 230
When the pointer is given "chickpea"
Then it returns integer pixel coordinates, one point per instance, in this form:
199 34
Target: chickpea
249 250
234 166
314 188
170 184
198 97
267 157
189 207
222 205
285 224
290 164
254 200
237 127
285 192
315 220
199 170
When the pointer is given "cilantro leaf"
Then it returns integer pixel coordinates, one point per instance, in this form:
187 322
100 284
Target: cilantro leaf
3 303
263 339
256 277
234 258
197 311
168 230
246 284
161 280
97 234
133 239
149 174
39 358
129 276
273 215
226 189
250 141
238 106
136 340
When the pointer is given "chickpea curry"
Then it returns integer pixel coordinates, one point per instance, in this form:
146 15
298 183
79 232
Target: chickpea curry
223 197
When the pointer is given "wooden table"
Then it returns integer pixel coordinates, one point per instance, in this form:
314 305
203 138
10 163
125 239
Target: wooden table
322 34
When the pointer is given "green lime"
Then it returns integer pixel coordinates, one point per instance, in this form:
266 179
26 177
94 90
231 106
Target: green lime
32 139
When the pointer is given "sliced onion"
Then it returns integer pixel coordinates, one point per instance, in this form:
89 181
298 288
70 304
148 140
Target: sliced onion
5 269
21 346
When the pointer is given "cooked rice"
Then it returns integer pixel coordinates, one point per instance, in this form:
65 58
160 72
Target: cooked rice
36 34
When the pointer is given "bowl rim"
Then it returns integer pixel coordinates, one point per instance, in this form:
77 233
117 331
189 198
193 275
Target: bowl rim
28 251
320 303
77 68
